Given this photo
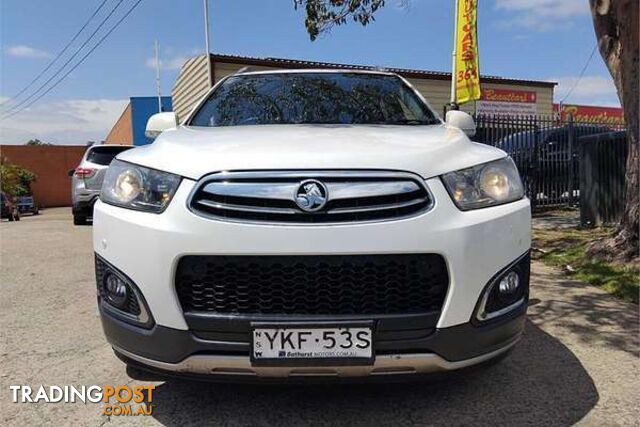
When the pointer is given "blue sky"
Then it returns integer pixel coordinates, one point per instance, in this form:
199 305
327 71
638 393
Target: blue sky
532 39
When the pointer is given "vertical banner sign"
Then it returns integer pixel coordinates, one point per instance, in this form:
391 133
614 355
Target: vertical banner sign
467 70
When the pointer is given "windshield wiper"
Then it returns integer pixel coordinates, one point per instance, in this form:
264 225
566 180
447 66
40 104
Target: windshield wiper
408 122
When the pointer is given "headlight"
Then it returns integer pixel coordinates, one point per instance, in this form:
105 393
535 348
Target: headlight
489 184
136 187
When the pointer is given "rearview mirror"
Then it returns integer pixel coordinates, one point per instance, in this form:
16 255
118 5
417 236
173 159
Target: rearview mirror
462 121
160 122
71 172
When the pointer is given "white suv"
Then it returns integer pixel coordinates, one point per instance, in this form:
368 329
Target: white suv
311 223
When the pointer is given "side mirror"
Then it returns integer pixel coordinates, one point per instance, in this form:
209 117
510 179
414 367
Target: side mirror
462 121
71 172
160 122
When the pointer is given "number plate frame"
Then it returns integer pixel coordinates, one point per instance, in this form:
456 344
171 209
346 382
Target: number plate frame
321 361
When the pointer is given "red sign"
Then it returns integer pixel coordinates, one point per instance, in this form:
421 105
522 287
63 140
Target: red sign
507 95
591 114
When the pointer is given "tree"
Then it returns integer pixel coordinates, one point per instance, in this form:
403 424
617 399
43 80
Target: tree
36 142
16 180
617 31
322 15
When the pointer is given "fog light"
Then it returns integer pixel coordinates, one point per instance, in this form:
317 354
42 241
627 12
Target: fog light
115 290
507 291
509 283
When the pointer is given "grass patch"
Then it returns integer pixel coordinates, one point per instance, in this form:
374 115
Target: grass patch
566 248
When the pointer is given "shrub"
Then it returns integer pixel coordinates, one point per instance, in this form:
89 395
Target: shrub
15 180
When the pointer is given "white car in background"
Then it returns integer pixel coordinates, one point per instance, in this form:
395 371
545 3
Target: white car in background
86 179
311 223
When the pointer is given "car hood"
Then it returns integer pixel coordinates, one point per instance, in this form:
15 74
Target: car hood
426 150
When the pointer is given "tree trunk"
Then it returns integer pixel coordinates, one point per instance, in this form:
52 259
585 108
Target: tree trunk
618 33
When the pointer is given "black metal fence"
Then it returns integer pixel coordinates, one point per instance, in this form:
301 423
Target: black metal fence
546 150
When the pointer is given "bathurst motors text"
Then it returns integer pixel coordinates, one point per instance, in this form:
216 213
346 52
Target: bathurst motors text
118 400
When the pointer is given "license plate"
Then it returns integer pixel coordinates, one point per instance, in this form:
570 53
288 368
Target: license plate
303 344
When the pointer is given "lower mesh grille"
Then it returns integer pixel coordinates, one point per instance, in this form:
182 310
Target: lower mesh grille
312 285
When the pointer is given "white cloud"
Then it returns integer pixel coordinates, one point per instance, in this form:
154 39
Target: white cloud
543 15
23 51
171 61
70 121
590 90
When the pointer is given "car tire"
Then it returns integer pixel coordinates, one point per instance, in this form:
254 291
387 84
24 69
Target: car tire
79 220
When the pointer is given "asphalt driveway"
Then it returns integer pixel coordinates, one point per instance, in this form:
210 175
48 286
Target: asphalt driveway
577 363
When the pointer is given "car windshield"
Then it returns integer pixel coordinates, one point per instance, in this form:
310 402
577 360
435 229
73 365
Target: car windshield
313 98
105 154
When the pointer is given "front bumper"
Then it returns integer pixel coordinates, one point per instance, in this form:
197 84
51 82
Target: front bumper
180 353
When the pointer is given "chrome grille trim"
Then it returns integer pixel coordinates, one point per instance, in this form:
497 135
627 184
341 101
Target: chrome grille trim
378 207
348 191
253 190
239 208
283 191
353 196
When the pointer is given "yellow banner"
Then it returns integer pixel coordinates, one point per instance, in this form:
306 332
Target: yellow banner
467 70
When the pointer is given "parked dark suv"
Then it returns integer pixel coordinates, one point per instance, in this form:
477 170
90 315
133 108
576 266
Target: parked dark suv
547 152
551 142
27 204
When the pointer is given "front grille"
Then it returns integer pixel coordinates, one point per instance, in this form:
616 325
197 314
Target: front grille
312 285
348 196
